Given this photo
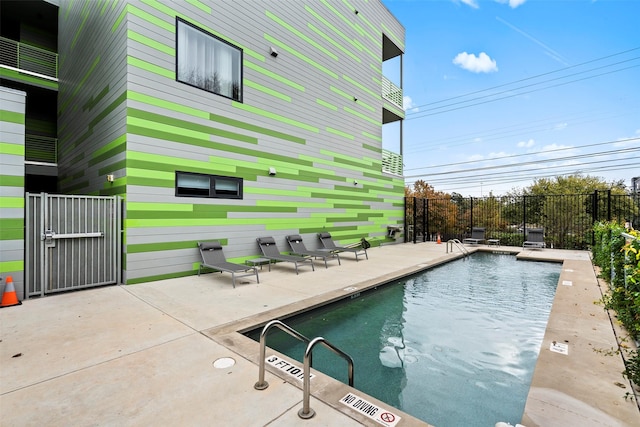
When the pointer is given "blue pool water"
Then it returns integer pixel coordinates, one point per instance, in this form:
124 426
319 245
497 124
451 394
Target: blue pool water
455 345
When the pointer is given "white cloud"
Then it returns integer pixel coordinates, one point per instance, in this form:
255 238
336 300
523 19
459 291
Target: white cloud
526 144
407 104
512 3
471 3
560 126
476 64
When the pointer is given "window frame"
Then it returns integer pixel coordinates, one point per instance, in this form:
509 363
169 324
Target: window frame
212 192
240 97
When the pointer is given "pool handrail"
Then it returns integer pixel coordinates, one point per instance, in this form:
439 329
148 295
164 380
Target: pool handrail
458 245
262 384
306 412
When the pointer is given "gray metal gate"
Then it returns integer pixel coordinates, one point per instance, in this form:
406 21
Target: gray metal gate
71 242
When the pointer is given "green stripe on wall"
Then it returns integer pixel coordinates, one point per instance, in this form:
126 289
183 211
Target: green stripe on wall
159 102
206 9
11 181
11 266
12 202
149 42
340 133
118 20
273 75
163 246
372 136
326 104
266 90
11 228
12 149
274 116
12 117
167 124
167 26
93 101
152 68
334 43
362 116
257 129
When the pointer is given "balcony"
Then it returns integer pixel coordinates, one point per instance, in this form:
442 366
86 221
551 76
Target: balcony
30 59
391 163
41 149
391 92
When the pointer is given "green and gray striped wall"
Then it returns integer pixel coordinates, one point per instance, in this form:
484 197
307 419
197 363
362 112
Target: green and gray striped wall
12 125
122 113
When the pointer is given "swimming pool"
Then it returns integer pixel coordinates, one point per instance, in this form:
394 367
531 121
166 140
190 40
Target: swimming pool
455 345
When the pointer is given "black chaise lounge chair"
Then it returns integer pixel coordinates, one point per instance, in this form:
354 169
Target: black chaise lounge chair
535 239
477 236
330 245
213 258
298 248
270 251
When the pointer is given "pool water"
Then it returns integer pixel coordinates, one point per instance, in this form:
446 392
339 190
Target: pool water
455 345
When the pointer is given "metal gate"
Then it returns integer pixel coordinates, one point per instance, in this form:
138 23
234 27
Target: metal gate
71 242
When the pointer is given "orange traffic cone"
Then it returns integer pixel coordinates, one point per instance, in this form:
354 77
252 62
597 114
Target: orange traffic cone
9 297
439 241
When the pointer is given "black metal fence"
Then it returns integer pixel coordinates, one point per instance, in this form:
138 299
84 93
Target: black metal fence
567 220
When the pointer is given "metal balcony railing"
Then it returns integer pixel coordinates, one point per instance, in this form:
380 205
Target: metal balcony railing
41 149
391 92
391 162
24 57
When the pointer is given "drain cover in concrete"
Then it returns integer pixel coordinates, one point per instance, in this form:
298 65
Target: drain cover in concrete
224 362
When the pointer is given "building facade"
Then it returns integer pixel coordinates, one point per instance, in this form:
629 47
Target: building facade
213 120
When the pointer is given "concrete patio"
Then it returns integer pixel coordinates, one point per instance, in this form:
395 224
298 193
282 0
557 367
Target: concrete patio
144 354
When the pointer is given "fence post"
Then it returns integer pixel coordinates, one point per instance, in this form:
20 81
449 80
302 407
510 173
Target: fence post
471 215
425 217
609 205
524 218
415 216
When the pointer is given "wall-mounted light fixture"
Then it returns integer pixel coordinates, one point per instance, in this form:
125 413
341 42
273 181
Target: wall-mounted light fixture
272 171
110 178
355 182
356 11
273 51
355 99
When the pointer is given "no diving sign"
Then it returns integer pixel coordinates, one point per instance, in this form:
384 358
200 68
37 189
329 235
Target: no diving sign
376 413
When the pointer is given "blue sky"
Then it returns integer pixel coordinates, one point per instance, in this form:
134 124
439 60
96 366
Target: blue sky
500 92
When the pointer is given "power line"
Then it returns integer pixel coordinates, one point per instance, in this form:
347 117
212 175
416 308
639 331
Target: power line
527 154
525 79
518 94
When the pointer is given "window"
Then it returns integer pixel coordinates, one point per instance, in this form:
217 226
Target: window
207 62
200 185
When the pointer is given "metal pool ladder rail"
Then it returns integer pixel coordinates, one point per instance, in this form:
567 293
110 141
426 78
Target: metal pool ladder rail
458 245
306 412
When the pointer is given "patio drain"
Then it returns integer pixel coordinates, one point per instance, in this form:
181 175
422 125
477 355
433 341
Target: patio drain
224 362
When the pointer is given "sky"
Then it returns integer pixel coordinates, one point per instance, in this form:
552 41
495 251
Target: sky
498 93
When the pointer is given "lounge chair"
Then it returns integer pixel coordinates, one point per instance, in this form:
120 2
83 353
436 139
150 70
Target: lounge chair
330 245
298 248
535 239
477 236
213 258
270 251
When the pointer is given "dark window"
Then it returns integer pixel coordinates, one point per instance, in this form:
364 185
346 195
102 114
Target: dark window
200 185
207 62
